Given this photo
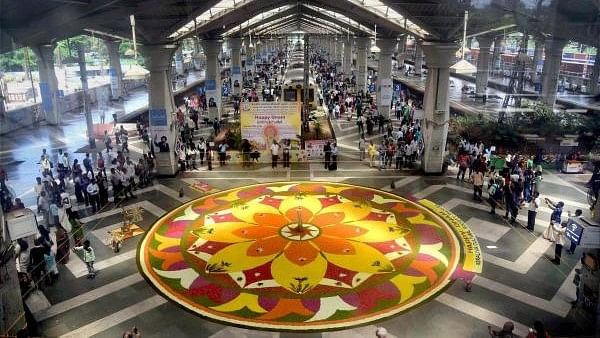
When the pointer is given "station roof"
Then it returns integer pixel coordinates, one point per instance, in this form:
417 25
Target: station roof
35 22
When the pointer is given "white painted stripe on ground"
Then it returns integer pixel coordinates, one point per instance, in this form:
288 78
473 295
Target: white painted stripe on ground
487 230
558 307
116 318
79 269
480 313
87 297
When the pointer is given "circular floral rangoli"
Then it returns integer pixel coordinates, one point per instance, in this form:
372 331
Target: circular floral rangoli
305 255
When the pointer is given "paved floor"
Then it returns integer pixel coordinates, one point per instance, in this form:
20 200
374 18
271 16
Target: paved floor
518 282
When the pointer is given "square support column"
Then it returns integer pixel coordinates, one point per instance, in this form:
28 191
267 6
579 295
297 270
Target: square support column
161 104
483 64
347 64
440 57
363 44
48 84
236 65
385 85
212 82
115 72
418 57
552 62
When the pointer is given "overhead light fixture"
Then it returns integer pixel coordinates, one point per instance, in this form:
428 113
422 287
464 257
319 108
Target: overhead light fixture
374 48
463 66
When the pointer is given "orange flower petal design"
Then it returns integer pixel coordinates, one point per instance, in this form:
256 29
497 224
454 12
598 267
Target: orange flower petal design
334 245
300 252
270 220
285 307
256 232
343 231
293 213
327 218
267 246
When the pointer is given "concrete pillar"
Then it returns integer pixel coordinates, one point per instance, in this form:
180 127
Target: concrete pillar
332 57
496 54
161 104
593 83
440 57
196 56
385 85
48 84
115 72
483 64
418 57
552 62
85 96
401 51
537 57
339 51
347 57
363 44
212 82
236 65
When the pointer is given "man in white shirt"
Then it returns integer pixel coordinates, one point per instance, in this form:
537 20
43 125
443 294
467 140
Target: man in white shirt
93 190
274 154
534 204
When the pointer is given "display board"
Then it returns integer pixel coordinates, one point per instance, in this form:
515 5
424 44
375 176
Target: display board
263 122
21 223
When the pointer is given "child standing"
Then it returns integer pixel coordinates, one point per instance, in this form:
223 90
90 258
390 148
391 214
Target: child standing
88 257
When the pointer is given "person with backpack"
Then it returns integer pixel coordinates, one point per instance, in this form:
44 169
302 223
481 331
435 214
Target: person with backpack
495 195
88 257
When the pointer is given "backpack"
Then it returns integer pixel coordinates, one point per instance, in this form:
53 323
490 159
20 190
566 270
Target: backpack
497 192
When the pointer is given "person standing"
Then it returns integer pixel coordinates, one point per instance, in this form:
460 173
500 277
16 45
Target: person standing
559 233
93 191
495 195
274 154
102 114
88 257
534 204
477 177
327 153
463 164
573 245
201 150
334 155
246 148
107 141
372 152
286 153
361 148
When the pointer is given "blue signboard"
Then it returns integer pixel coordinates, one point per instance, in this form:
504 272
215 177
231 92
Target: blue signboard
46 97
372 88
158 117
235 70
200 90
574 232
225 90
210 85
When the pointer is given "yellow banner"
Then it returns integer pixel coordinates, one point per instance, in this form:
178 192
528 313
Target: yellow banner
472 257
262 122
